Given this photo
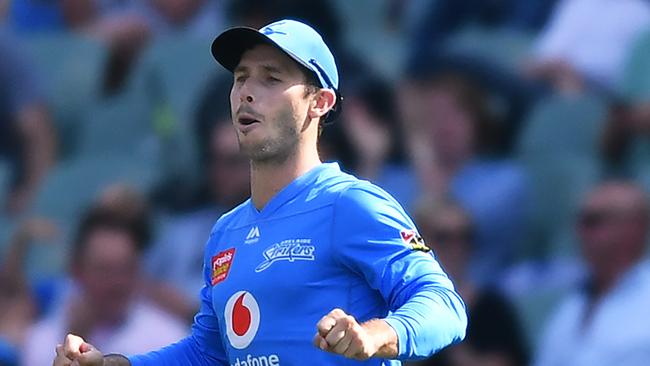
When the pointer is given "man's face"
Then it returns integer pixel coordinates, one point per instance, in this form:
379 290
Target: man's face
450 127
269 104
449 234
108 273
610 227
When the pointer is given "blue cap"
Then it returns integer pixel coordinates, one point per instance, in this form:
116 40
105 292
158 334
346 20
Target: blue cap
298 40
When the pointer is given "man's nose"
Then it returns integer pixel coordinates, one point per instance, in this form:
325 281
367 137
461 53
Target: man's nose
245 93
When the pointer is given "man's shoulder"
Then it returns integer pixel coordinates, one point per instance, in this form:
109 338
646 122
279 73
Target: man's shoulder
365 194
346 186
364 204
230 217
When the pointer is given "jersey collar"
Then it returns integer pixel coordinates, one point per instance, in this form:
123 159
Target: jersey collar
292 190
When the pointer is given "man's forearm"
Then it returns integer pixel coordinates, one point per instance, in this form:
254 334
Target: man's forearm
40 143
430 320
116 360
385 338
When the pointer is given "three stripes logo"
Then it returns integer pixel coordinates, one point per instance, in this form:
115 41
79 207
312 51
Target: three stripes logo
253 235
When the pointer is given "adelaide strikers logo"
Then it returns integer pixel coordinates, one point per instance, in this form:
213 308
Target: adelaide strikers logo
242 316
287 250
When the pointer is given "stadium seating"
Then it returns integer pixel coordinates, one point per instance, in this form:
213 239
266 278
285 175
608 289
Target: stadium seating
635 85
70 68
558 184
499 47
639 162
384 51
563 125
535 309
122 123
172 75
5 227
559 148
75 183
71 187
5 178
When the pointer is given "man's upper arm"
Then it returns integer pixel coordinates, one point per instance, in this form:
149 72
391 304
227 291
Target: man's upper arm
373 236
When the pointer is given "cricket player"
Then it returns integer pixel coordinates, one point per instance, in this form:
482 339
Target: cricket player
317 267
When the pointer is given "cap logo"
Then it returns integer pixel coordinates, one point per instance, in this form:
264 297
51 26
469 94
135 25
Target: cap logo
268 30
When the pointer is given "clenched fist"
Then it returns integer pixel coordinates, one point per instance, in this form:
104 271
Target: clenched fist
76 352
340 333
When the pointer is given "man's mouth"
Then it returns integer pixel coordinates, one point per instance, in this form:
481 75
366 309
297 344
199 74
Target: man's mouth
247 120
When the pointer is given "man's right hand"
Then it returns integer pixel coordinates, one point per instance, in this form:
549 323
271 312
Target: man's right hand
76 352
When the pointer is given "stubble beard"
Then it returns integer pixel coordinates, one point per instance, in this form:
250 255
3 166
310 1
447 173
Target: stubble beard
275 150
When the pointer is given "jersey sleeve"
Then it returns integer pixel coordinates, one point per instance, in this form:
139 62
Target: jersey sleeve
204 346
373 236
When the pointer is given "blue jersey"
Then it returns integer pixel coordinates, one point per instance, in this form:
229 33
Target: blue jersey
326 241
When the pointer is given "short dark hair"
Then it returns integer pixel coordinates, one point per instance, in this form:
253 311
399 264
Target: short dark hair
100 217
312 86
312 83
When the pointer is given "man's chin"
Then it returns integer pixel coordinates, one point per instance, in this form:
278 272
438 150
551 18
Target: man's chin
266 155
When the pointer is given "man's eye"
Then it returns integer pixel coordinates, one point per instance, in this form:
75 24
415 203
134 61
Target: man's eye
240 79
273 80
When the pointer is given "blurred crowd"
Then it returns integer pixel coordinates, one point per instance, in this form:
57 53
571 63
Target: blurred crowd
516 132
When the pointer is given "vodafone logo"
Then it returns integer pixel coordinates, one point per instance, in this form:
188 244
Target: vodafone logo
242 316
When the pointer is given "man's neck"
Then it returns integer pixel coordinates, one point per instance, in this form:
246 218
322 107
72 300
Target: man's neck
267 179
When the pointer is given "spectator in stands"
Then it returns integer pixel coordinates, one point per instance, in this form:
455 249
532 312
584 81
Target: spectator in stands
126 202
494 336
370 121
449 132
194 18
121 200
105 266
113 22
175 260
602 322
627 127
36 16
27 137
17 306
586 43
429 23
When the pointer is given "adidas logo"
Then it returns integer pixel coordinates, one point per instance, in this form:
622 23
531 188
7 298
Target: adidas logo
253 235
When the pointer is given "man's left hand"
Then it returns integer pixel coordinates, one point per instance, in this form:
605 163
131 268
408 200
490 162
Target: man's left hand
340 333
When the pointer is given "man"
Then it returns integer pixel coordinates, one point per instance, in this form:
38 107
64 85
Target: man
101 302
603 323
314 254
27 136
586 44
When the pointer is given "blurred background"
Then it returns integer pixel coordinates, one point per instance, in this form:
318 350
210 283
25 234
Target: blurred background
516 132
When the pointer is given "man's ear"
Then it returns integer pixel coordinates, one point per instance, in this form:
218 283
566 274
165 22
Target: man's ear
323 103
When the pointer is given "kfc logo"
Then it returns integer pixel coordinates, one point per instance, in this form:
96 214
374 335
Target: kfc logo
221 264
